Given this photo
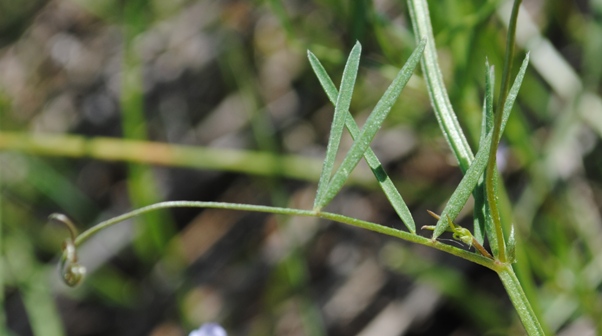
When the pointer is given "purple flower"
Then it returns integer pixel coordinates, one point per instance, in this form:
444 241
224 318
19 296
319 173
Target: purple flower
209 329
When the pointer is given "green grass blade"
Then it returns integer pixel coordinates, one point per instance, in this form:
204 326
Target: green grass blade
31 279
373 124
152 239
470 179
384 180
336 130
481 210
38 299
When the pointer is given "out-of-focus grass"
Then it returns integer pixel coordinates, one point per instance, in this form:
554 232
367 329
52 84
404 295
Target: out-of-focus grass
155 230
234 75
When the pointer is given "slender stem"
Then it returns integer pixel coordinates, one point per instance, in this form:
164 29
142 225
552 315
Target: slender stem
490 175
492 201
520 301
470 256
508 57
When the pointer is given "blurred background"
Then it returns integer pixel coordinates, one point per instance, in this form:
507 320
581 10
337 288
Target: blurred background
107 106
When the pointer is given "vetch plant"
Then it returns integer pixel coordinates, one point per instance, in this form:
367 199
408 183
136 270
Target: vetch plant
480 175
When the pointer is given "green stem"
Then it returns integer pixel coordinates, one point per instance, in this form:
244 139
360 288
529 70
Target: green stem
450 127
470 256
520 301
508 57
490 173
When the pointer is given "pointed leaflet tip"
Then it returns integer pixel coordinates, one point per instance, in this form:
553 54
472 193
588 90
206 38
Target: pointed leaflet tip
386 184
372 125
342 104
325 81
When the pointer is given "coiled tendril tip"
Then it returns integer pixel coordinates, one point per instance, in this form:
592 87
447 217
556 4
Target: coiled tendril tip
70 270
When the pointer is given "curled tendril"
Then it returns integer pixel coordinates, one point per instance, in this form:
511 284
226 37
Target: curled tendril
71 271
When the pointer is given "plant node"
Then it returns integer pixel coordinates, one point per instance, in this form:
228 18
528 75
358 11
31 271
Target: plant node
461 234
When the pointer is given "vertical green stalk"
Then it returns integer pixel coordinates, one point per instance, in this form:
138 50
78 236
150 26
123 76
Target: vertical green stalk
508 57
142 189
520 301
492 164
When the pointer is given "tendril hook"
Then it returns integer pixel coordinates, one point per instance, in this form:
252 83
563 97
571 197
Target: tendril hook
70 270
